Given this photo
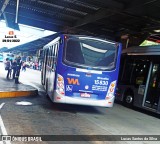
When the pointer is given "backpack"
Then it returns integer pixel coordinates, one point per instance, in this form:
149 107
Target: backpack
8 65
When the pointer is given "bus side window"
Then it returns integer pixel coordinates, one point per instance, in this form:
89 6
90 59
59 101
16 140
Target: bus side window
54 58
140 73
126 70
56 50
51 56
48 59
47 56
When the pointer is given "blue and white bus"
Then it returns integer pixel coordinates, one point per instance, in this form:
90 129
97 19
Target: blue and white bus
81 70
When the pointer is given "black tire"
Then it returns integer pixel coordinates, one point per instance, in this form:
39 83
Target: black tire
128 100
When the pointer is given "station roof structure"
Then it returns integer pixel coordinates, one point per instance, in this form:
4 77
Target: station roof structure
113 19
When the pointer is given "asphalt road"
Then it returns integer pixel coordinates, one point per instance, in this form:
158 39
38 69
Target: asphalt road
42 117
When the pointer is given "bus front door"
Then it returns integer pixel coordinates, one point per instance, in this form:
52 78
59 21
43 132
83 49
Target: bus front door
153 92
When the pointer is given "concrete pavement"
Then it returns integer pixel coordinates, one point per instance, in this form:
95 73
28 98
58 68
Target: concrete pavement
8 88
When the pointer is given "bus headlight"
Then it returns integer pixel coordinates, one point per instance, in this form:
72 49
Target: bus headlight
109 96
60 84
110 93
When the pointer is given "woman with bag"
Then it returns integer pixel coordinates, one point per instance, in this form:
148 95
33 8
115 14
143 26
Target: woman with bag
8 67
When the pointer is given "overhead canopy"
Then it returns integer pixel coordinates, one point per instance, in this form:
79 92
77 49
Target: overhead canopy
113 19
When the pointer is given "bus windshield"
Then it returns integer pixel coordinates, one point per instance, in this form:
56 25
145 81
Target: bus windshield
90 52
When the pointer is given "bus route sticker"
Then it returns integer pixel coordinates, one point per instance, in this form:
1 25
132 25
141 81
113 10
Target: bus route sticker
99 88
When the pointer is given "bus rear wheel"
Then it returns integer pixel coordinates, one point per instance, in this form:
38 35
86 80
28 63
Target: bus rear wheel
128 100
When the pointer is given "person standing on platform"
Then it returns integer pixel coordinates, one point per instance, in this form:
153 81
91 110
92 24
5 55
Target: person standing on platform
8 67
14 64
18 68
24 66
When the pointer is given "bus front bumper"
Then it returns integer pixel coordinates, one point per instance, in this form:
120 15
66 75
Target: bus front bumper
58 98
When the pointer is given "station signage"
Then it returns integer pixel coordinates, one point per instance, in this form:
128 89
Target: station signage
10 37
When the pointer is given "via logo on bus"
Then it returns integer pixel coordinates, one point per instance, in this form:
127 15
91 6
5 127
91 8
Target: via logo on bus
73 81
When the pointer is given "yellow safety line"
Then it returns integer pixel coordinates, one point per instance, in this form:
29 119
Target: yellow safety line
18 94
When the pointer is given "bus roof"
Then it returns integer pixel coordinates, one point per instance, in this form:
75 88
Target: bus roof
57 37
142 50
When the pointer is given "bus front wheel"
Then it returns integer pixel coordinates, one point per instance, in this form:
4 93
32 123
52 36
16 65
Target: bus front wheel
128 100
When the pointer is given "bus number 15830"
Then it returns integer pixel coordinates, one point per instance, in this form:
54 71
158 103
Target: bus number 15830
100 82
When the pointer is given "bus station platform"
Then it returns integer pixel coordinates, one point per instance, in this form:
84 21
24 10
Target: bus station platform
9 89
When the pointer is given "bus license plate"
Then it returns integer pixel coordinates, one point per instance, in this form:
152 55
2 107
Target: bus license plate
85 95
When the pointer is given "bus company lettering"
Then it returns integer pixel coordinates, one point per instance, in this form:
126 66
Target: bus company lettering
69 74
73 81
102 78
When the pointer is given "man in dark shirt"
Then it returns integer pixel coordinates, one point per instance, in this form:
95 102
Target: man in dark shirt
18 68
14 65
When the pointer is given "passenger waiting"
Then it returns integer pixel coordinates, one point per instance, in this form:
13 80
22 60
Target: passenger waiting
8 67
23 66
18 68
14 64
